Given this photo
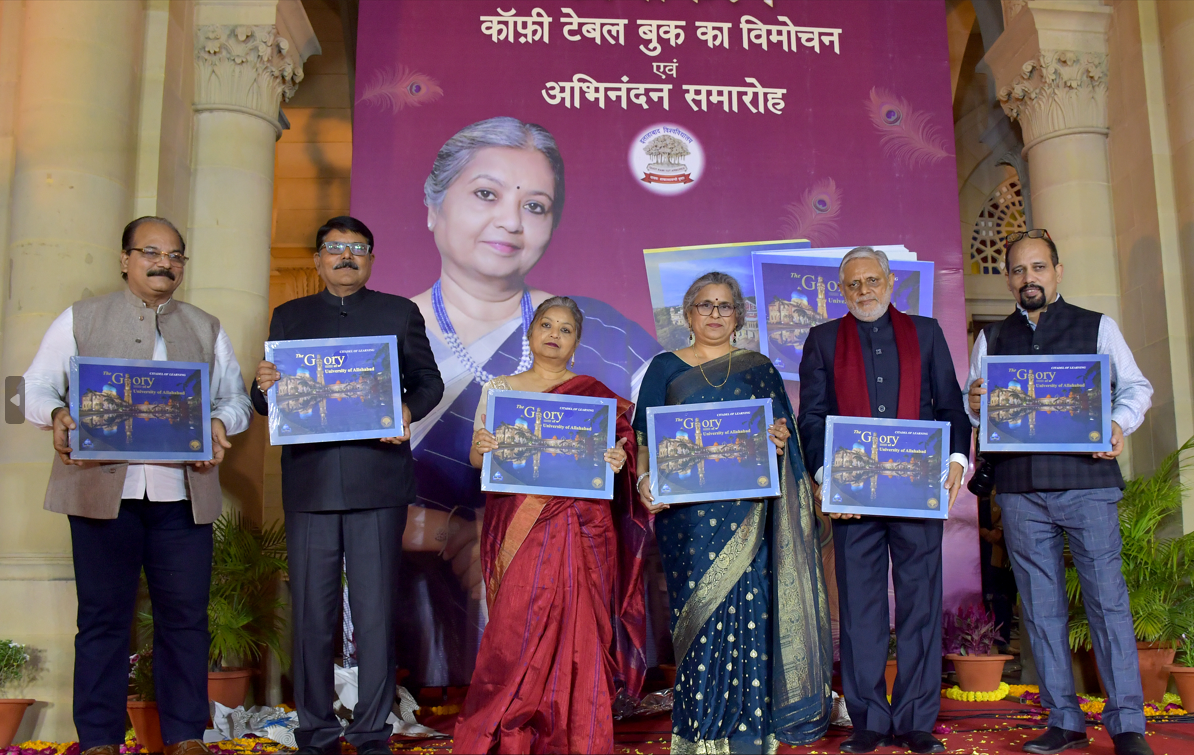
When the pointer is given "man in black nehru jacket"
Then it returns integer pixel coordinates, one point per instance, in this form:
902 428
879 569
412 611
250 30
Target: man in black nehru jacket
346 501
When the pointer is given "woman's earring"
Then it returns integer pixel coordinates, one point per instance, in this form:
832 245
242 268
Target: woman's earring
573 360
691 338
734 339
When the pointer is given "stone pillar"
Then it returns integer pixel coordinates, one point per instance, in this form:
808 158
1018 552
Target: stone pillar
1175 24
1050 66
75 126
245 66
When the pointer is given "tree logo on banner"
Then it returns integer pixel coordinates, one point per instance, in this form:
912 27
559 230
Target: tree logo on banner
666 159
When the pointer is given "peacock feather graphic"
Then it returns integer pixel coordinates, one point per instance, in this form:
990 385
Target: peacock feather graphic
398 87
814 216
908 136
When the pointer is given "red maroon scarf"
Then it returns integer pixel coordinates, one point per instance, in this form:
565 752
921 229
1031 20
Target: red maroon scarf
849 371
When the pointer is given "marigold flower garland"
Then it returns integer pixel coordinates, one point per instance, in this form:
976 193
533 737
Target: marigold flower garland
955 693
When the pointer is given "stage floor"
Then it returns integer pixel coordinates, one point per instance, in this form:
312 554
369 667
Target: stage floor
969 728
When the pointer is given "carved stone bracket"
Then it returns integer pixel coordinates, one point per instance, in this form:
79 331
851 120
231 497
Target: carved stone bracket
249 69
1058 92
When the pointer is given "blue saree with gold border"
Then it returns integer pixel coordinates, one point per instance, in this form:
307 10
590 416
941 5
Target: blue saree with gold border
748 606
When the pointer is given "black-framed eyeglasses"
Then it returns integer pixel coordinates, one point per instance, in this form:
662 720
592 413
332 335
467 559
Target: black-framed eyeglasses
705 308
176 259
337 248
1035 233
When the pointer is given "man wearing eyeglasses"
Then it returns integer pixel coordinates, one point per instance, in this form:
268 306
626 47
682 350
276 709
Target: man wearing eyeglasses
879 362
125 517
1044 495
345 501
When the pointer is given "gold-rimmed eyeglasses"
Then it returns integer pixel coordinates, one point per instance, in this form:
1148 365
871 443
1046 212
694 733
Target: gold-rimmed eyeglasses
176 259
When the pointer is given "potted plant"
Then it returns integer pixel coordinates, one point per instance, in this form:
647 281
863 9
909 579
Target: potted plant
1183 671
243 613
14 662
142 705
1157 570
968 635
889 673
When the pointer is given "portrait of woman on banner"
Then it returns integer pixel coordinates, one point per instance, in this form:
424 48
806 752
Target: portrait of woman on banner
563 582
749 609
494 198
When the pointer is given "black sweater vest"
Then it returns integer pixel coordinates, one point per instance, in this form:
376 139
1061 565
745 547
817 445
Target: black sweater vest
1062 329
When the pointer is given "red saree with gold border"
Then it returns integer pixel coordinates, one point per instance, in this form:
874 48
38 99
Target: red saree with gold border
567 619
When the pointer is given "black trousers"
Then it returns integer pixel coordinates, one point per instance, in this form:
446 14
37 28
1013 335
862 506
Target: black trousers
109 554
369 543
861 552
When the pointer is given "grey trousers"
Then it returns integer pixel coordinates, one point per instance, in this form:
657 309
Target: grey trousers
1033 524
368 542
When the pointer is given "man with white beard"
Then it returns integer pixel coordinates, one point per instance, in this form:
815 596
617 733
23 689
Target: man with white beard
878 362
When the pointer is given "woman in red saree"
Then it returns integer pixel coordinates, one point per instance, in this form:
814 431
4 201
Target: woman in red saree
563 582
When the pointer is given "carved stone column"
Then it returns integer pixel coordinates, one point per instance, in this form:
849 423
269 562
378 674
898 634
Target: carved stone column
72 192
1050 66
244 70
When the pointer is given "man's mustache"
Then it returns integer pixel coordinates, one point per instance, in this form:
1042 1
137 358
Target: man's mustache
162 271
346 263
1031 287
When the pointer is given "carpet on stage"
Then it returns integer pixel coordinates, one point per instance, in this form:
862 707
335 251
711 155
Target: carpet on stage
972 728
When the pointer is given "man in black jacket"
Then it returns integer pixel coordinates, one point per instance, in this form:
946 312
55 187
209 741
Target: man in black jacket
345 502
879 362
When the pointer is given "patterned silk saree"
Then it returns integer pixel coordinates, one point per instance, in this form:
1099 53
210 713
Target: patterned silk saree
749 613
567 620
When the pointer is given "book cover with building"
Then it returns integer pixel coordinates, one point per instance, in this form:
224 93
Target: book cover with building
549 444
886 467
139 410
796 292
671 271
334 389
1052 403
712 452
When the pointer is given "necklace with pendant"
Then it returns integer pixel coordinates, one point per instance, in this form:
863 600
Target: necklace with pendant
454 342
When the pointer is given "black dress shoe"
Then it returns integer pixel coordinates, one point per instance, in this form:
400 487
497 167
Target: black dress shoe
1056 739
1131 743
920 741
865 741
376 747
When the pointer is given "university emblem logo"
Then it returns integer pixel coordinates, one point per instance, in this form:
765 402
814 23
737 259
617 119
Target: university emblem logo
598 483
933 503
386 422
196 445
763 481
666 159
1095 436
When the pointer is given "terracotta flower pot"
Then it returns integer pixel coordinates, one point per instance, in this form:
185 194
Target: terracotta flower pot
889 674
978 673
1182 675
1155 657
229 687
668 671
146 724
12 710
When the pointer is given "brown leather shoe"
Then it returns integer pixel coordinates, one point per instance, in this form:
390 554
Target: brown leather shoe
103 750
188 747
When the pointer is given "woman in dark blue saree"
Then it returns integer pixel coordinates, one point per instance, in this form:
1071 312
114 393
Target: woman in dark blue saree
749 613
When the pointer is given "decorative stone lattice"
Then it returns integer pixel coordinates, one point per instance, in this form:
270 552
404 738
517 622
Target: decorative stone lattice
1002 213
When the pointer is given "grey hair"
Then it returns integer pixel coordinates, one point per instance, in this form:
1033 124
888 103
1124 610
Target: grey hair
502 131
716 278
565 302
859 252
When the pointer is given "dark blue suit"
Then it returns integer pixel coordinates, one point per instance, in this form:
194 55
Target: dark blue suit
862 546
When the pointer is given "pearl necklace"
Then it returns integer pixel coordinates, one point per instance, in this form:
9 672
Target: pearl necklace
445 325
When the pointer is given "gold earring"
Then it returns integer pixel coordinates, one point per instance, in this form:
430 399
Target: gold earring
573 364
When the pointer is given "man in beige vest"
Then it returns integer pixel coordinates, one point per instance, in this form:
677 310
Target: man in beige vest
125 517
